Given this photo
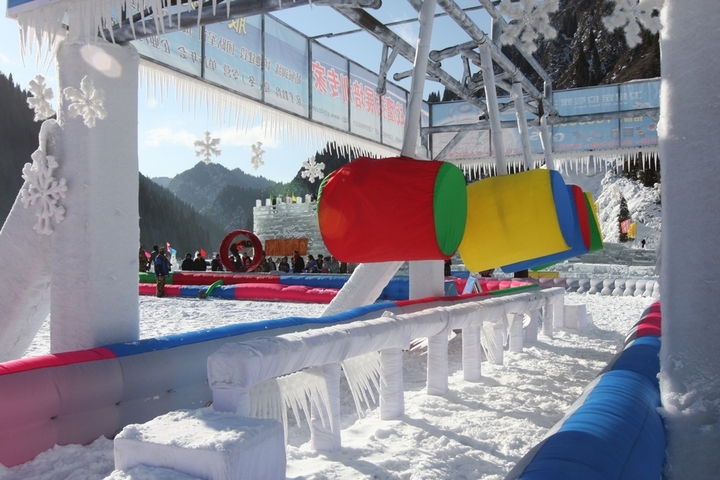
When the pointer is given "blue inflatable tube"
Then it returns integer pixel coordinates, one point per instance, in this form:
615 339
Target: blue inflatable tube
614 430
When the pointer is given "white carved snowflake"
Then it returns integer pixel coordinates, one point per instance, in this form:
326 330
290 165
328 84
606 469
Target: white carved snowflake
256 159
631 14
87 102
528 22
40 100
207 147
312 170
42 188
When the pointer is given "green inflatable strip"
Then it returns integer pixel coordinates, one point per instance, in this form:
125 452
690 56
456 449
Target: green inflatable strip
596 242
449 208
149 277
507 291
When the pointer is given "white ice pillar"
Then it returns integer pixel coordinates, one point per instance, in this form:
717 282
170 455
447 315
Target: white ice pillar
392 399
437 364
531 331
94 286
325 419
516 332
689 146
496 135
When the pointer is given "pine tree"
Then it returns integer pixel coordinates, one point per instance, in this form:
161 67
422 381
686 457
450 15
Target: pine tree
623 215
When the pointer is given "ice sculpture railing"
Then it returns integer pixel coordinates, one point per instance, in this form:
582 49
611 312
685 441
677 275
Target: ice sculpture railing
238 367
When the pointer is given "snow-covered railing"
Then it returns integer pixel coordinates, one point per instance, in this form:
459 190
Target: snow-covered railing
236 368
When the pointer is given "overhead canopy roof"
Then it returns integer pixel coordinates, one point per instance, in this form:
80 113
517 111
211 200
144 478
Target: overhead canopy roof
381 36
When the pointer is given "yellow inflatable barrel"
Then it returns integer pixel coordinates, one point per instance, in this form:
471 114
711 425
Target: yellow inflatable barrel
513 218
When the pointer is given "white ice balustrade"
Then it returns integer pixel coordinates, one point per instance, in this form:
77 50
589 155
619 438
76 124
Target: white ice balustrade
238 367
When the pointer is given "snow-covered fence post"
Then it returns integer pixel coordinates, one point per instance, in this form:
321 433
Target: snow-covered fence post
324 424
392 398
516 332
493 339
531 331
471 353
234 399
437 364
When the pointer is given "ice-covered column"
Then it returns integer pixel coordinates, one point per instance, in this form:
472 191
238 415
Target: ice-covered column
471 353
531 331
94 296
325 419
689 146
437 367
516 332
392 399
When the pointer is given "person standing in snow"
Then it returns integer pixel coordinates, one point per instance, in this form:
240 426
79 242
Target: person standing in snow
151 261
187 263
311 266
332 265
143 259
216 264
199 264
162 270
284 265
298 264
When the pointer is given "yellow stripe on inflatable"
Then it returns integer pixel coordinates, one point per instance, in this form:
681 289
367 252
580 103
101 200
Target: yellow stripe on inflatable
510 219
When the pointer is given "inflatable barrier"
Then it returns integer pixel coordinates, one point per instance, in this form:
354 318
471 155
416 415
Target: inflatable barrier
614 429
397 289
74 397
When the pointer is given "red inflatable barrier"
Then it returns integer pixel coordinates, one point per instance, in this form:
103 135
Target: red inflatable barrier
292 293
208 278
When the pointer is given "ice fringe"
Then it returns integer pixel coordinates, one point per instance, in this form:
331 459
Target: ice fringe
273 398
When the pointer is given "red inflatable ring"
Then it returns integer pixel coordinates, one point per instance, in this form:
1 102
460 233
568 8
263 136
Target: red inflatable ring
251 241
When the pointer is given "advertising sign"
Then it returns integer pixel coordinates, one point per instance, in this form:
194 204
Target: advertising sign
286 67
394 105
330 88
233 55
364 103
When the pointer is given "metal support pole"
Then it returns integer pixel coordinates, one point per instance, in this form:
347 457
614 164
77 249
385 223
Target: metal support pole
493 111
517 95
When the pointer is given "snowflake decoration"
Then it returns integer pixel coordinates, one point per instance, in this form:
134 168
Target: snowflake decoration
631 14
256 159
207 147
44 189
528 22
40 100
86 102
312 170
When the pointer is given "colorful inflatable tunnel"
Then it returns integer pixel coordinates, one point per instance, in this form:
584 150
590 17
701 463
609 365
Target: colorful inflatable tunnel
614 429
596 241
579 243
513 218
393 209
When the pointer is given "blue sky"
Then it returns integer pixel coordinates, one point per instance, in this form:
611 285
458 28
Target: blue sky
167 133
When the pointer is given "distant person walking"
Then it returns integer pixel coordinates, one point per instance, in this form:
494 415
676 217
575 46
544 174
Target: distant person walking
642 243
162 271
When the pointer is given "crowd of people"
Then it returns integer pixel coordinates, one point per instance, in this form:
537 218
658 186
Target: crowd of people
157 261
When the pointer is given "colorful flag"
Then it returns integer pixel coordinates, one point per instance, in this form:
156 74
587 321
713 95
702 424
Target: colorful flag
632 230
624 225
202 253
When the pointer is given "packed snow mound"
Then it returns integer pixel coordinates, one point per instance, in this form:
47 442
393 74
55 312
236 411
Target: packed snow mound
643 204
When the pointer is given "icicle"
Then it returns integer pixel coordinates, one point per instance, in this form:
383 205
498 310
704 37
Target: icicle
363 376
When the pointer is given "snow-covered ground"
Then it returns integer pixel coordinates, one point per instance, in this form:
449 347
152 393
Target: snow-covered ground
476 430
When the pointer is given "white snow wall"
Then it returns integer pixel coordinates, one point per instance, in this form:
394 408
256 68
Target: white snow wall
689 148
94 251
25 276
